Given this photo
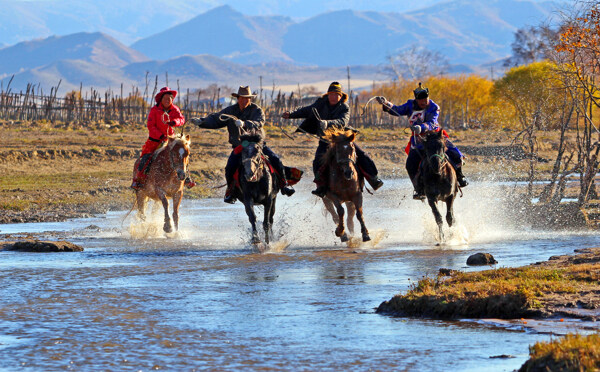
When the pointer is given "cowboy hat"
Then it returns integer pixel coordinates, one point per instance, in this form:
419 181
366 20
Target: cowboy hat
163 91
244 92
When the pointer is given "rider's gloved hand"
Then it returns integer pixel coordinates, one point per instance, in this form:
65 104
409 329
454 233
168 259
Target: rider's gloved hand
239 123
383 101
323 124
197 121
416 129
172 123
286 115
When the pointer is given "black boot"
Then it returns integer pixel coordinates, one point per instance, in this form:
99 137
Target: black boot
460 177
419 193
287 190
375 182
229 198
320 191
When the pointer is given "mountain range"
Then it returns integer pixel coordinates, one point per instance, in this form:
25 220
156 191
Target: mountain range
225 46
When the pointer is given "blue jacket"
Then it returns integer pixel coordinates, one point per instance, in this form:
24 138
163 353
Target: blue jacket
429 122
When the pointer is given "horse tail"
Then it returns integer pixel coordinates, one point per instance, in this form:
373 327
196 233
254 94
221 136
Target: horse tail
130 210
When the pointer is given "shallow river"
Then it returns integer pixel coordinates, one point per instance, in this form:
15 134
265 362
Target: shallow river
206 299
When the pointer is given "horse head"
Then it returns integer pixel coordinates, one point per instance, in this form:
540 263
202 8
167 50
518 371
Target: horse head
179 153
435 151
342 145
252 157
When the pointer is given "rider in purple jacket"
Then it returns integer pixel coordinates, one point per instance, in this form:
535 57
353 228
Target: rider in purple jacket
422 116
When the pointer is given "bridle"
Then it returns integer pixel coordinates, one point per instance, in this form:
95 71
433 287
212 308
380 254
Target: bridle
349 160
172 162
258 161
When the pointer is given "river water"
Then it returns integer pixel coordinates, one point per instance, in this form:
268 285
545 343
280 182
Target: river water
206 299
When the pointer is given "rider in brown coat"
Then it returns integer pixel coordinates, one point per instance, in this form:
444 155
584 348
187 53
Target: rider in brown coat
333 111
250 118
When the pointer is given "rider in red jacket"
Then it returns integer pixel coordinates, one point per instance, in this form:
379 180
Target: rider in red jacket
162 118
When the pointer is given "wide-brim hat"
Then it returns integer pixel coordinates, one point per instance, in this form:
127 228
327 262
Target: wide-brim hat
243 92
162 92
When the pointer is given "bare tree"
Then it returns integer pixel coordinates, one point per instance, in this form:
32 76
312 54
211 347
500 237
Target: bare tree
532 44
415 62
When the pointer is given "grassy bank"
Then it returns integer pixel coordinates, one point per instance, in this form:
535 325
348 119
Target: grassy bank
508 293
570 353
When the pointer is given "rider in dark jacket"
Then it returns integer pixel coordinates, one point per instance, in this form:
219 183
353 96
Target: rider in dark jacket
333 111
422 116
250 118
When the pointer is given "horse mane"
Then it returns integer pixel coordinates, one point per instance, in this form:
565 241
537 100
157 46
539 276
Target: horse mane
334 136
252 137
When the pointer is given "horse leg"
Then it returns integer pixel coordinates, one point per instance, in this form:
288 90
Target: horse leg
165 202
449 210
331 209
176 201
438 218
141 205
351 210
267 218
339 231
271 214
249 204
359 214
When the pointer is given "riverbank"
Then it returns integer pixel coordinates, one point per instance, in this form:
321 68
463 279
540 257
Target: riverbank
563 287
52 172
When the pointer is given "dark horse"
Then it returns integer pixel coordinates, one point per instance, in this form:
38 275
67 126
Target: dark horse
438 178
344 184
258 185
166 176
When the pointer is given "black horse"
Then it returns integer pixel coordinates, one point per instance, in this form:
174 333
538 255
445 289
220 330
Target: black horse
258 185
438 178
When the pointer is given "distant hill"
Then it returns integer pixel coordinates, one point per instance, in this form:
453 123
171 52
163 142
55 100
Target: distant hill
466 31
96 48
222 32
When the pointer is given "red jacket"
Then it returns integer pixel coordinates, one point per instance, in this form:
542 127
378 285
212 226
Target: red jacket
159 118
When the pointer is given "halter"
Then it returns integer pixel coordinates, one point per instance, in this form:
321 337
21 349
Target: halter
258 159
350 160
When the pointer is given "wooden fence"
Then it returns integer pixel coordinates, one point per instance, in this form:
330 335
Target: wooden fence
132 108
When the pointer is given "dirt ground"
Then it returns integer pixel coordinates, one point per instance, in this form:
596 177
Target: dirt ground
51 172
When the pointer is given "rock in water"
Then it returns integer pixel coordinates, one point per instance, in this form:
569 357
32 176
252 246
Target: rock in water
479 259
43 246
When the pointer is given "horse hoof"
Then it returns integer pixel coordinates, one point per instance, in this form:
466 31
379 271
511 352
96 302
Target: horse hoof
344 238
366 238
255 240
168 229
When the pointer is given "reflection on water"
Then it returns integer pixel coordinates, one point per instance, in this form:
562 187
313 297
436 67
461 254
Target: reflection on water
206 299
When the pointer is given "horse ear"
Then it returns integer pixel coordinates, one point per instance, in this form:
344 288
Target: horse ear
352 137
187 137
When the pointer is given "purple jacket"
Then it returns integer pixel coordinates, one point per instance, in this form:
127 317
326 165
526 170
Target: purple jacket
428 122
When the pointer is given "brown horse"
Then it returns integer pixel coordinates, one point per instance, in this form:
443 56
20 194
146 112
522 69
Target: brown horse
165 179
344 184
439 178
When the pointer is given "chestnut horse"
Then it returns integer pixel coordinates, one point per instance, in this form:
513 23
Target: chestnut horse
165 179
438 178
344 183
